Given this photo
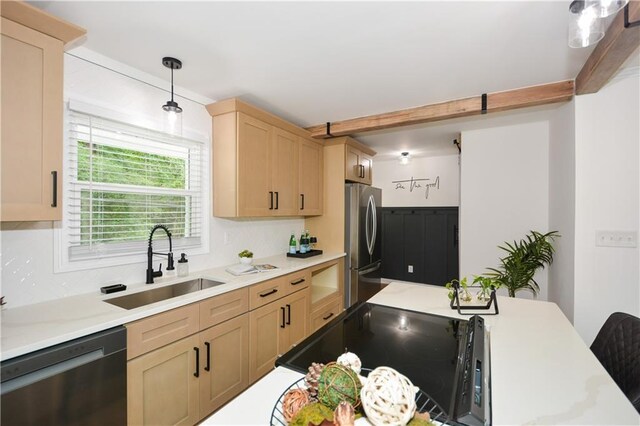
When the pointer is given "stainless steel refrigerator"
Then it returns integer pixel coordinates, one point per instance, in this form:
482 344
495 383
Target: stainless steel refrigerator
362 242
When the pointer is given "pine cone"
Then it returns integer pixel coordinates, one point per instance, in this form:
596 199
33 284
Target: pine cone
344 415
312 377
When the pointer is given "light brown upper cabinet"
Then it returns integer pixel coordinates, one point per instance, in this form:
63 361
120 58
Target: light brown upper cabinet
310 181
262 165
358 164
32 49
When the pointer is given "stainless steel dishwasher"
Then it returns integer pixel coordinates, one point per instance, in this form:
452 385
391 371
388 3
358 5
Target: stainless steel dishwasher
80 382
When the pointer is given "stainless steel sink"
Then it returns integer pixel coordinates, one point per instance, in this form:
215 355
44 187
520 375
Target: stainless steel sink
135 300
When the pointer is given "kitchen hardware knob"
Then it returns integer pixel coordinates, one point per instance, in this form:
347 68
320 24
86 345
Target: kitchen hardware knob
328 316
197 372
208 366
300 281
282 309
277 200
288 314
270 200
54 178
275 290
302 204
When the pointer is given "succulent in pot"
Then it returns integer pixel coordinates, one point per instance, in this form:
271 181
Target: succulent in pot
246 257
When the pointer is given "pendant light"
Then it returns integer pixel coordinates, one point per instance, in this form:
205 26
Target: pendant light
585 27
604 8
174 118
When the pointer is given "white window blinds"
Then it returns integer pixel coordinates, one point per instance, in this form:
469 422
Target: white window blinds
123 180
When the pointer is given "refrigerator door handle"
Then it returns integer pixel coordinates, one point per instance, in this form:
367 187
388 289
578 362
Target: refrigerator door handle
374 224
366 225
370 221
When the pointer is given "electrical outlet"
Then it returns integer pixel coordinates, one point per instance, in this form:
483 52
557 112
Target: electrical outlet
617 239
410 269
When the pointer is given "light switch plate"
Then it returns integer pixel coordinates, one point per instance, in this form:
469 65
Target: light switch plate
617 239
410 269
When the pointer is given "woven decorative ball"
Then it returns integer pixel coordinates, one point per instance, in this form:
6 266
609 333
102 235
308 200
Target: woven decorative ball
388 397
293 401
338 383
351 360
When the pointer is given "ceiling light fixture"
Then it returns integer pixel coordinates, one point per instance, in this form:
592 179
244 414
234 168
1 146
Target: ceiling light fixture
404 158
604 8
585 27
172 106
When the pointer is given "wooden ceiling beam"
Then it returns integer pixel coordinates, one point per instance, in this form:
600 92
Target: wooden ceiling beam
500 101
611 52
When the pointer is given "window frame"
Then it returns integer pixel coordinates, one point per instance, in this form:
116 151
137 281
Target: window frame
137 253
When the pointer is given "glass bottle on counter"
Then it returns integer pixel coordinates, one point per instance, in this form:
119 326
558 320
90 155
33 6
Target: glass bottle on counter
303 244
293 244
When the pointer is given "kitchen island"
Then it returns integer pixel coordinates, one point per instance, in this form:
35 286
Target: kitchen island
541 370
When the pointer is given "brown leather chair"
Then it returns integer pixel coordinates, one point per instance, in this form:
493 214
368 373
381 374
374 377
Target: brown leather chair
617 347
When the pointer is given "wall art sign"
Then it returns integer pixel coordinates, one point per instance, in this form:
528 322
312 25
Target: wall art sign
412 184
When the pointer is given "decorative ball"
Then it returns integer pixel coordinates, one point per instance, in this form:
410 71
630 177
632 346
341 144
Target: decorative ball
344 415
312 377
351 360
293 401
388 397
314 413
338 383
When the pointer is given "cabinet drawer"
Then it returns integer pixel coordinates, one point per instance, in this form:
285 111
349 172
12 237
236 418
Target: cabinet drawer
266 292
325 313
223 307
297 281
159 330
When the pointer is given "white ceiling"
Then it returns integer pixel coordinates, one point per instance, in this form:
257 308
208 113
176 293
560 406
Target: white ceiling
312 62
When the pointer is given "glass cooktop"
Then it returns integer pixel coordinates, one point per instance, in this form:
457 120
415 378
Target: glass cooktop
423 347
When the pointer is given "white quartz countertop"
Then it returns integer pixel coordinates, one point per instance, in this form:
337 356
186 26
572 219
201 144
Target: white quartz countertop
541 370
29 328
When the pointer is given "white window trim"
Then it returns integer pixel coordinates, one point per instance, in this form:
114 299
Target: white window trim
61 253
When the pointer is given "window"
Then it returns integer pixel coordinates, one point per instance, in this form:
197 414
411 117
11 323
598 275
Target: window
122 180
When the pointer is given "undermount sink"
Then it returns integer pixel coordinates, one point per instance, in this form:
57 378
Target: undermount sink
135 300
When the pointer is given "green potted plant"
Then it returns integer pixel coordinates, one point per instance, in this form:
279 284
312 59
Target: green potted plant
246 257
523 259
463 289
484 283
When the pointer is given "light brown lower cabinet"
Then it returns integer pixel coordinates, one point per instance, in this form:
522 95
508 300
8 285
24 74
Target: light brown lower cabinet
185 381
275 328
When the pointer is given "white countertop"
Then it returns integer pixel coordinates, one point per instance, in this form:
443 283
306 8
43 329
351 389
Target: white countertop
29 328
542 371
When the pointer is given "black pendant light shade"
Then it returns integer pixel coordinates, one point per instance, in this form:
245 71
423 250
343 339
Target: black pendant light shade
173 64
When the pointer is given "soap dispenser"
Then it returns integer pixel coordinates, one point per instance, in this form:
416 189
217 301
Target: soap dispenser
183 265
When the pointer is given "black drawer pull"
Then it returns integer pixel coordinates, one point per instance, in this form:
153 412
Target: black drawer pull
54 176
302 196
277 200
282 324
300 281
208 366
270 200
327 317
197 373
288 314
269 293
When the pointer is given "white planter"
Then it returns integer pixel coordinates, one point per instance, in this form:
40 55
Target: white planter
246 260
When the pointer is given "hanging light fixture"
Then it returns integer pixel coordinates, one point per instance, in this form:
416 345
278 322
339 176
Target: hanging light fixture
585 27
604 8
404 158
171 107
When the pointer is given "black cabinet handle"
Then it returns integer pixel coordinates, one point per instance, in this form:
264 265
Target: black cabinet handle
270 200
208 366
288 314
302 196
282 324
197 373
328 316
300 281
54 176
275 290
277 200
455 235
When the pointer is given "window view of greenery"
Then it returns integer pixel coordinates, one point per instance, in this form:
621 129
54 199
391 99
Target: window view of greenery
113 216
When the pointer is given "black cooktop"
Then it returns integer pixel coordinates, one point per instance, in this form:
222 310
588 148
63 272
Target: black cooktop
423 347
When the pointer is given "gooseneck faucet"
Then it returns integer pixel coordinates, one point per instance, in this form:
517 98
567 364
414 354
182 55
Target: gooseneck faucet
151 274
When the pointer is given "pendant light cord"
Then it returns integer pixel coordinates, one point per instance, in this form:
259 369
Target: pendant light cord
133 78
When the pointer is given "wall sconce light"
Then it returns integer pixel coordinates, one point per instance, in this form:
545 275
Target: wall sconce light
171 107
404 158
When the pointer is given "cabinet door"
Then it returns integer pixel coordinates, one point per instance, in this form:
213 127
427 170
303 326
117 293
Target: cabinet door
284 177
254 167
265 338
298 313
352 170
31 147
366 163
310 171
162 388
224 363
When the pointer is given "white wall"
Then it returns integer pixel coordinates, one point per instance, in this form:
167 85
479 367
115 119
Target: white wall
28 248
607 191
441 190
562 181
504 193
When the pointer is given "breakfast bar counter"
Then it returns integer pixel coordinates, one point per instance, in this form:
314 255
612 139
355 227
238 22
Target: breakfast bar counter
541 370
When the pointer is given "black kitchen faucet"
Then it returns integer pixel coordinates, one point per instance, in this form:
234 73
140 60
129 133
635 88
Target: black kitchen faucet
151 274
